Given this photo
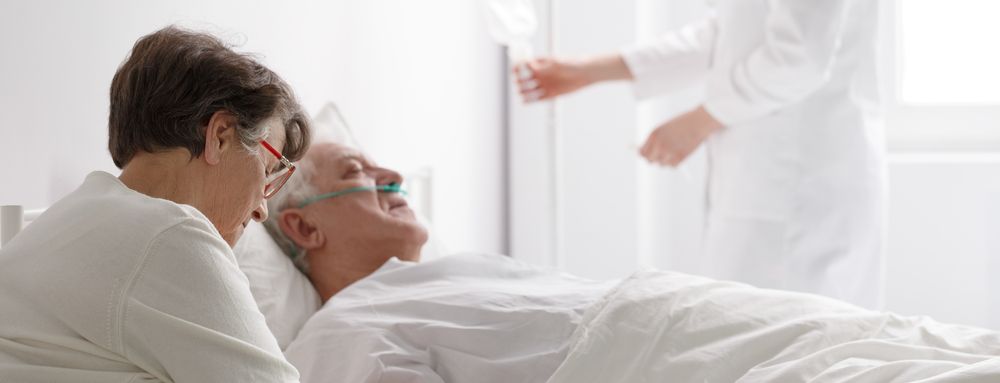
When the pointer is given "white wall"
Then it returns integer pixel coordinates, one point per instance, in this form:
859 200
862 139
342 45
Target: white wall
573 167
943 247
420 83
671 202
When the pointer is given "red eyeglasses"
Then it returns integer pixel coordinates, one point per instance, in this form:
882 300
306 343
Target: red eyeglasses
278 178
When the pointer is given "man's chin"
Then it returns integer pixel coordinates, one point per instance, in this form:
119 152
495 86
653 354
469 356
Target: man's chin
419 241
421 236
417 233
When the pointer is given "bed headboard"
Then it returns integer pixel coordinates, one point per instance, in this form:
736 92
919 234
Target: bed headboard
418 185
13 218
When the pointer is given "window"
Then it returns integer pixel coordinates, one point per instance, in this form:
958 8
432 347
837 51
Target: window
941 74
949 52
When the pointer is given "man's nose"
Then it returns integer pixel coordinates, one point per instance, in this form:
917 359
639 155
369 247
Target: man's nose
389 176
260 213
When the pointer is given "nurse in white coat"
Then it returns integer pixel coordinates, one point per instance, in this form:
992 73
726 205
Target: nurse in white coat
792 125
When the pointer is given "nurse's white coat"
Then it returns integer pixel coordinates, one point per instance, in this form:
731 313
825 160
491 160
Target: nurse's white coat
796 178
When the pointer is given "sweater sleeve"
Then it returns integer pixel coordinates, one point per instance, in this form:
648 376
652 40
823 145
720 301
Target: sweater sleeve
673 61
794 59
187 315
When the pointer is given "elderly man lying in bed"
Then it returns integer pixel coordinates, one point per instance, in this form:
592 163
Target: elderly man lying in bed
488 318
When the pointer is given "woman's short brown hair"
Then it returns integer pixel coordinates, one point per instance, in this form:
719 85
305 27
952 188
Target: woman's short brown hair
172 83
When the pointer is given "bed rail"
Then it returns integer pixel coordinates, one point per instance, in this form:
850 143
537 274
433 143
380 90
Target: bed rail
12 219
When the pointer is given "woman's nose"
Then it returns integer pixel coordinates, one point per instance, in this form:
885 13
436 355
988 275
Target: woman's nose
260 213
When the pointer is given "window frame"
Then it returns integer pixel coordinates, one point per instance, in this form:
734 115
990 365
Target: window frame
917 127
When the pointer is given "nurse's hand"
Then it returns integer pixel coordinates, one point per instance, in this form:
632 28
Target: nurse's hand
548 77
676 139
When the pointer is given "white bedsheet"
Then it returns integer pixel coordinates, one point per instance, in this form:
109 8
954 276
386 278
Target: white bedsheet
668 327
462 318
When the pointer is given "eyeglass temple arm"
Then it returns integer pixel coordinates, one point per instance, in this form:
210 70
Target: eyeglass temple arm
271 149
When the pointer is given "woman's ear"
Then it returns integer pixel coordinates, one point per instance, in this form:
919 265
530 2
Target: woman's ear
220 135
297 227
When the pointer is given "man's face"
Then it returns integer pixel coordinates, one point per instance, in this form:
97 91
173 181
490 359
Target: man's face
366 222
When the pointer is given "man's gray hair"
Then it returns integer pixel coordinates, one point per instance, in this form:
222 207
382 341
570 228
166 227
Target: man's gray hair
297 189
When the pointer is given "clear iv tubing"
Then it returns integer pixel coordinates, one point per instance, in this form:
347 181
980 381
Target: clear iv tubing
512 24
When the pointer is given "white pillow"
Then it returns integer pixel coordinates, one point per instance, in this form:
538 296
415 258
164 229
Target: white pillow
283 294
329 125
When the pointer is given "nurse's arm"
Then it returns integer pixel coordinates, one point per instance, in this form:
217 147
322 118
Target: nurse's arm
673 61
793 60
550 77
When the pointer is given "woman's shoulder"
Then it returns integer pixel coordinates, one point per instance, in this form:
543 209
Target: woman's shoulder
106 201
103 220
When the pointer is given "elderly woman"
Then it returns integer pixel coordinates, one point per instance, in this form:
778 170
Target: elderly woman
132 278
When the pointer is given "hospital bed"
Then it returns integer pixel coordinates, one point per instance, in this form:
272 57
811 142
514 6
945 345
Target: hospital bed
652 325
658 324
12 220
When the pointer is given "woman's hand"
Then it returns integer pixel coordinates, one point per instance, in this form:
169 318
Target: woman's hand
548 77
676 139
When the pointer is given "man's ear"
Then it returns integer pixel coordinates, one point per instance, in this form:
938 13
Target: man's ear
220 135
300 229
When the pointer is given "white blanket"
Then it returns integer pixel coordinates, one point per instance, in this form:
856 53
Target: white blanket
668 327
464 318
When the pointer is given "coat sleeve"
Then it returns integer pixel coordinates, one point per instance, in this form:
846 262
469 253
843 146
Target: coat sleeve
673 61
794 59
187 314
